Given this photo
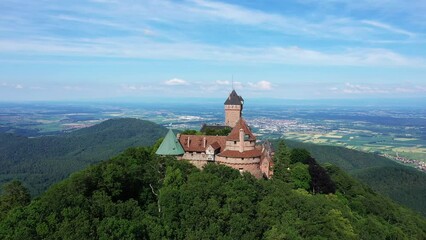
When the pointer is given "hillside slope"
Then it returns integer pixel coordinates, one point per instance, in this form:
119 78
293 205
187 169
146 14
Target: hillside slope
401 183
140 196
40 162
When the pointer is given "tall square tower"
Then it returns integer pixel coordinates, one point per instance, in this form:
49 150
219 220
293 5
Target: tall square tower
233 109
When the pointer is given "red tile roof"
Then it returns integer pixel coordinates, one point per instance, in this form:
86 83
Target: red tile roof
196 142
235 133
215 145
238 154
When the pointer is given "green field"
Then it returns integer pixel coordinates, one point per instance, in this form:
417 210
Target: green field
366 141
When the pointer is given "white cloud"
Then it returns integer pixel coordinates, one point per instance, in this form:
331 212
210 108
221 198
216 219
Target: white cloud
238 85
224 82
203 52
261 85
176 82
8 85
413 89
360 89
327 27
73 88
36 88
143 40
131 88
388 27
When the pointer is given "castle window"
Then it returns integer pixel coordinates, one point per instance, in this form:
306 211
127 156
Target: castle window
235 142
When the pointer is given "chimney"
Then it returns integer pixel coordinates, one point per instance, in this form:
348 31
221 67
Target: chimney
241 140
204 142
188 142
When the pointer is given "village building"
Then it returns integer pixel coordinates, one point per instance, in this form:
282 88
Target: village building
238 150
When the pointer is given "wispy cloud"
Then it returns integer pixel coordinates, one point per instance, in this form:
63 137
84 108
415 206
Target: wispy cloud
388 27
9 85
377 89
261 85
223 82
176 82
152 50
142 17
137 87
386 35
74 88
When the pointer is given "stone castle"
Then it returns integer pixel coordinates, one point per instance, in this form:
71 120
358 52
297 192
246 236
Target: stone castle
238 150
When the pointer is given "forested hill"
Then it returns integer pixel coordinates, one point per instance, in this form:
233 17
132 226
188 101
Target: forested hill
40 162
401 183
138 195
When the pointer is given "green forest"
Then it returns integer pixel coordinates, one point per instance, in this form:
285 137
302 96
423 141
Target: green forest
401 183
138 195
40 162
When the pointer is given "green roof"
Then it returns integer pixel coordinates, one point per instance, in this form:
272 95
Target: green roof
170 145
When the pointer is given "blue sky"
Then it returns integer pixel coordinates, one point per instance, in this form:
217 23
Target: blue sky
127 49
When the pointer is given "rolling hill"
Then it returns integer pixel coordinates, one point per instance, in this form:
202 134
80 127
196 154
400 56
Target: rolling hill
42 161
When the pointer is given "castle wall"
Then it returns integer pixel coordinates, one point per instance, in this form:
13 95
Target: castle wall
250 165
235 145
198 163
197 159
229 160
195 156
252 168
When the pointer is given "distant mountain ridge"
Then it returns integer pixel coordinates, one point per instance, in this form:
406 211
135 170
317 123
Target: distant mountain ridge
42 161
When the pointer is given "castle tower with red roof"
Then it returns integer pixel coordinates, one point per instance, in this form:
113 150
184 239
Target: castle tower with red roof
242 152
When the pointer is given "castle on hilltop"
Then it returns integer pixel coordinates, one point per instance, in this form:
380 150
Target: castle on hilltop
238 150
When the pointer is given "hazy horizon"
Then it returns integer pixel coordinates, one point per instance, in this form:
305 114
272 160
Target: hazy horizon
413 102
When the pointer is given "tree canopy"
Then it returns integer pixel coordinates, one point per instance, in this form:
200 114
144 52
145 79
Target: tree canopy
138 195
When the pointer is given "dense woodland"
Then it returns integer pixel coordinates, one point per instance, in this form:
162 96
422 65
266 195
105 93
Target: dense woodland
403 184
139 195
40 162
